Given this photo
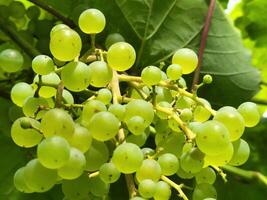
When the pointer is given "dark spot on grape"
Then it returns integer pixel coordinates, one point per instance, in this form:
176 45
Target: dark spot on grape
56 161
205 137
78 194
42 188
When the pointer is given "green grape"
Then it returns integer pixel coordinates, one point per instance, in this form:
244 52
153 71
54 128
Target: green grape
92 21
184 175
127 158
169 164
142 108
201 114
212 136
118 110
194 126
32 105
136 95
207 79
192 161
150 169
113 38
97 187
109 173
103 126
33 12
206 175
38 178
162 191
151 75
121 56
104 95
147 188
31 26
74 167
17 9
184 102
81 138
11 60
203 191
187 147
139 140
67 96
232 120
174 125
43 65
65 44
137 198
20 182
101 74
209 199
187 59
174 72
148 151
161 127
96 156
160 114
53 152
14 113
163 94
26 137
76 76
4 13
250 113
186 115
136 125
241 153
58 27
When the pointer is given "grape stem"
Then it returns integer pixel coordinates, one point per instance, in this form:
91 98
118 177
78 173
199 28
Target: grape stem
259 101
59 97
221 173
249 175
175 186
94 174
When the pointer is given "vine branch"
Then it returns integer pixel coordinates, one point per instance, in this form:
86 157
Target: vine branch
260 101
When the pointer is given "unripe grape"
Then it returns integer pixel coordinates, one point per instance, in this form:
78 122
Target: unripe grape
57 28
20 182
113 38
174 72
101 74
207 79
150 169
169 164
136 125
17 9
241 152
151 75
109 173
20 92
147 188
203 191
33 12
43 65
250 113
104 95
11 60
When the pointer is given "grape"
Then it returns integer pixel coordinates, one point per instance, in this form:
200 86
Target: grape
206 175
184 175
136 125
67 96
127 158
43 65
203 191
74 167
169 164
92 21
201 114
174 125
57 122
4 13
81 138
76 76
33 12
187 59
148 151
232 120
101 74
139 140
97 155
65 44
162 191
109 173
97 187
90 108
187 147
151 75
163 104
53 152
150 169
161 127
207 79
16 9
121 56
11 60
186 115
250 113
103 126
209 199
104 95
58 27
38 178
192 161
20 182
163 94
25 137
32 105
174 72
147 188
241 152
14 113
113 38
118 110
139 107
137 198
212 136
184 102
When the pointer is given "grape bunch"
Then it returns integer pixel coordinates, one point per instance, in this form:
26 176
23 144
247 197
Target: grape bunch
89 129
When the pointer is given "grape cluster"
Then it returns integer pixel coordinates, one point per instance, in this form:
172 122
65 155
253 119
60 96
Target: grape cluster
87 144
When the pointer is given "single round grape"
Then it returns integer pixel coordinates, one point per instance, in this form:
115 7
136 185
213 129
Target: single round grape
32 105
92 21
43 65
187 59
11 60
57 122
232 120
207 79
201 114
127 158
212 136
148 151
104 95
250 113
121 56
20 182
136 125
103 126
16 9
162 191
139 140
183 174
65 44
206 175
53 152
163 94
163 104
118 110
57 28
151 75
101 74
169 164
74 167
97 187
187 147
96 156
203 191
67 96
161 127
147 188
26 137
76 76
113 38
38 178
241 153
186 115
174 72
192 161
109 173
33 12
150 169
184 102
